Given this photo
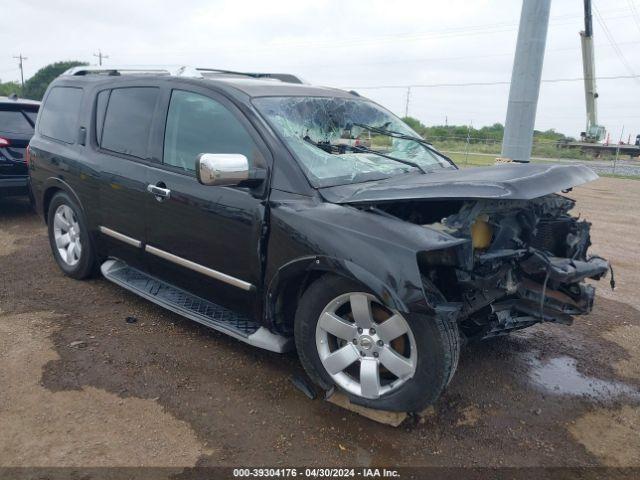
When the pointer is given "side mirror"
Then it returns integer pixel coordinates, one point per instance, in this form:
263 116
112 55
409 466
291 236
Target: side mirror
222 169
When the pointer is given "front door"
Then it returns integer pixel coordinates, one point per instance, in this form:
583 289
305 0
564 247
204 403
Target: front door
206 239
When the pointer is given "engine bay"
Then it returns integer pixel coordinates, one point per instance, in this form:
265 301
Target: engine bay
526 261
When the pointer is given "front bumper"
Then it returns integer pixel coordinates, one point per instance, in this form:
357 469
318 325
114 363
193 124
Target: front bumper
525 291
565 270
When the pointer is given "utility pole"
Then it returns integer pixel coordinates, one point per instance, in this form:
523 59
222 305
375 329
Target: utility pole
406 107
21 59
525 80
615 161
100 56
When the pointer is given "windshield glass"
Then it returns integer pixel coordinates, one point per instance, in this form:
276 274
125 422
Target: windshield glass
328 137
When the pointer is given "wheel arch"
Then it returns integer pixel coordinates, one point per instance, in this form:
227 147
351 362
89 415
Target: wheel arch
293 278
52 186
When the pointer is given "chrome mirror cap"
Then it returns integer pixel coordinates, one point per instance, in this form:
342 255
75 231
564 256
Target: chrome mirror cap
222 169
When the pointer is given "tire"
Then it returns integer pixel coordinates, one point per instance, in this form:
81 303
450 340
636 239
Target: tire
82 262
436 342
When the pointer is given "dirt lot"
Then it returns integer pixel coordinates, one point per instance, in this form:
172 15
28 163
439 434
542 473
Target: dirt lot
79 386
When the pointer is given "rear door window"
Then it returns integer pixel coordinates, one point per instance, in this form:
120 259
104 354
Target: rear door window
14 121
127 121
59 117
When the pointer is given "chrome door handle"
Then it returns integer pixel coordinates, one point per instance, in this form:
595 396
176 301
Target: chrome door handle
160 193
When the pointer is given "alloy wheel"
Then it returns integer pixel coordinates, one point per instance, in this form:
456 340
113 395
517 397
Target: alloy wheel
367 349
66 233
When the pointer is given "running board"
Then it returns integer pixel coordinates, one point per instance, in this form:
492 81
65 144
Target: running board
193 307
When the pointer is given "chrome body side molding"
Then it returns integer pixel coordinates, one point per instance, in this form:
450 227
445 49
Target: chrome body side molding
120 236
196 267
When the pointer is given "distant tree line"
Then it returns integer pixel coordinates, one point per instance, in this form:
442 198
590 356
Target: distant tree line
35 86
494 132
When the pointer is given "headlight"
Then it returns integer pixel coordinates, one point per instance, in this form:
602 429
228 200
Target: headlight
481 233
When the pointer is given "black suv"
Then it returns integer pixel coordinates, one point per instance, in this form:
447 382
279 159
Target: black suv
289 215
17 119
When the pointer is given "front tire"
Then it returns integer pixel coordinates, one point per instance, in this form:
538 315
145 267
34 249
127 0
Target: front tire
69 237
378 357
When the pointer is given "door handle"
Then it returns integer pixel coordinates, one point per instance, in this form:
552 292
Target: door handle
159 192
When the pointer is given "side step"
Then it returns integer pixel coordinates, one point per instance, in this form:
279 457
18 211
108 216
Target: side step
193 307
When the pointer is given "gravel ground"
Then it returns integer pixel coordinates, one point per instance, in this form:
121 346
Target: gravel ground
80 386
622 167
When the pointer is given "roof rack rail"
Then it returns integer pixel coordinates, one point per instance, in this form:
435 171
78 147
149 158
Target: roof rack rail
283 77
177 71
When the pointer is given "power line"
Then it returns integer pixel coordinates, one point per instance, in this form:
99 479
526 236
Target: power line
439 59
614 44
471 30
21 59
482 84
634 13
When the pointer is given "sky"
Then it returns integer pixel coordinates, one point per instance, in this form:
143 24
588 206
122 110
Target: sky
352 44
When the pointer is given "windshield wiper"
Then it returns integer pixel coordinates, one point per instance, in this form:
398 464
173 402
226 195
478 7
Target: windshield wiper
327 147
404 136
360 148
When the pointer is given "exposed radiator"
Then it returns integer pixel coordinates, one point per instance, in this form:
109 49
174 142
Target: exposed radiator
551 235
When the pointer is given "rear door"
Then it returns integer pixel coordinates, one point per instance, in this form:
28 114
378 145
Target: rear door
124 120
206 239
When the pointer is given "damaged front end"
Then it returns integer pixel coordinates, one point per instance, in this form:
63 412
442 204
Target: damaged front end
526 262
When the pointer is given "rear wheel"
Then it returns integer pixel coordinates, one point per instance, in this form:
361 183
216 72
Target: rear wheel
380 358
69 237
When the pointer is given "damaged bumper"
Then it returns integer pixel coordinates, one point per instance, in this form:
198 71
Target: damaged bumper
565 270
533 270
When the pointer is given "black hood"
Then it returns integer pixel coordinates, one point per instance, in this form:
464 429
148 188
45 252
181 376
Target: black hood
515 181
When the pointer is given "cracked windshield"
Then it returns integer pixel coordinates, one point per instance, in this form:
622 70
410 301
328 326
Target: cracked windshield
343 140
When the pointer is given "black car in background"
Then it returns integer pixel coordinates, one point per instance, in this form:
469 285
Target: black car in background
17 121
289 215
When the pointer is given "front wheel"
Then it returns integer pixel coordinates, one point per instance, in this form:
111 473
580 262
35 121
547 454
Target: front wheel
380 358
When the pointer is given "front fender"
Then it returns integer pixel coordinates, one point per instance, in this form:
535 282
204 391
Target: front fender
377 251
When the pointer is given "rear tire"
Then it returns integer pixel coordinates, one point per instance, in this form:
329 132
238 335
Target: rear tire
69 238
423 374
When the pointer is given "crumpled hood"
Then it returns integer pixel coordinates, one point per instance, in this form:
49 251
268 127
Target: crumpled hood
516 181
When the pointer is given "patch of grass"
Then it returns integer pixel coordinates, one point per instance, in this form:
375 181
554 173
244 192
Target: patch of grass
617 175
540 149
471 160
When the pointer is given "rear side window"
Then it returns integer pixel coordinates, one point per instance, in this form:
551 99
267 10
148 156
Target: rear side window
14 121
59 116
127 121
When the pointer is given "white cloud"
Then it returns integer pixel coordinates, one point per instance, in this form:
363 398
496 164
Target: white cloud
344 43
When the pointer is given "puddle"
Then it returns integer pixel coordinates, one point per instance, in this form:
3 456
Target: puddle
560 376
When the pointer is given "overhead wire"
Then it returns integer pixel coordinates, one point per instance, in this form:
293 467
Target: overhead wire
634 13
489 83
614 44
